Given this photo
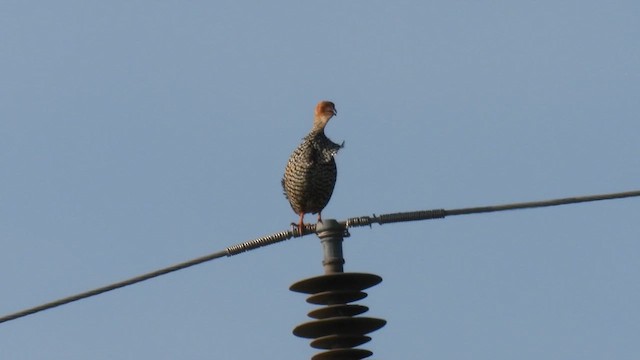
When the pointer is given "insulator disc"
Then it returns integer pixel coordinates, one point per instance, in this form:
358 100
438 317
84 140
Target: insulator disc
336 297
339 325
337 310
338 281
343 354
339 341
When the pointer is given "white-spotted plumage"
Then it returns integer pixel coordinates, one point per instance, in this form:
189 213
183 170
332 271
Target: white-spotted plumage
310 174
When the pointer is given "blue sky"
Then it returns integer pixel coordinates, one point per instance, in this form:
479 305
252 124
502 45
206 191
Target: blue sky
138 134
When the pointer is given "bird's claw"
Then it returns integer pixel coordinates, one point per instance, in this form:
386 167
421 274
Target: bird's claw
298 227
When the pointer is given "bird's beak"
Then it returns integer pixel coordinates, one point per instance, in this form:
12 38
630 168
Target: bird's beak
335 112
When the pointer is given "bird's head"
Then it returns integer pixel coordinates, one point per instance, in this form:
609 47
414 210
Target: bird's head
325 110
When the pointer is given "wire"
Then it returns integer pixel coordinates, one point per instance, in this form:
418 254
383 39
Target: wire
309 229
441 213
537 204
113 286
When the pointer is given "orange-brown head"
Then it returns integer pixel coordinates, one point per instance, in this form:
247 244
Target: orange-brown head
325 110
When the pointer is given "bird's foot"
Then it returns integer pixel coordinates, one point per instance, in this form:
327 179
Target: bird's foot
296 226
301 225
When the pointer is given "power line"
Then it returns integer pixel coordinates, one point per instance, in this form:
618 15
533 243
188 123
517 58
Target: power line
309 229
113 286
441 213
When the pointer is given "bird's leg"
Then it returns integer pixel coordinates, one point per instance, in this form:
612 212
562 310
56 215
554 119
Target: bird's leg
319 216
301 224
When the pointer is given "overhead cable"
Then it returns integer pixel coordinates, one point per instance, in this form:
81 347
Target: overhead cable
309 229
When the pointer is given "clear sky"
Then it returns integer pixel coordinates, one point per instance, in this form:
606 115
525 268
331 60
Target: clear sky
138 134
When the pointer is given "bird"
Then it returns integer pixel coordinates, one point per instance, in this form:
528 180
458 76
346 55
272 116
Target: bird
311 172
